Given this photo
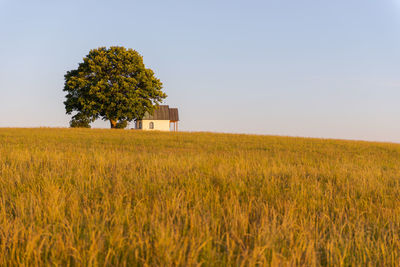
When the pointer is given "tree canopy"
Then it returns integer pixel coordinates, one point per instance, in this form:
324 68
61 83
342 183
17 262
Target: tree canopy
112 84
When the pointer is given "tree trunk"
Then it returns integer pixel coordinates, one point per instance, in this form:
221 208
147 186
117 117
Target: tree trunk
113 124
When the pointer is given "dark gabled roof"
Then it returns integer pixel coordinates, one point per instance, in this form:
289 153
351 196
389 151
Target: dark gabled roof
163 112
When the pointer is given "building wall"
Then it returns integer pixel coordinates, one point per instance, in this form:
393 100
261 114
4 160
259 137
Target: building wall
159 125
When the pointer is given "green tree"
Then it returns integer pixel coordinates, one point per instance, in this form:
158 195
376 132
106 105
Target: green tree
114 85
121 125
80 121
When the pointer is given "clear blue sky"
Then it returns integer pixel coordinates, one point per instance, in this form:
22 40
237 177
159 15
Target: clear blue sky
283 67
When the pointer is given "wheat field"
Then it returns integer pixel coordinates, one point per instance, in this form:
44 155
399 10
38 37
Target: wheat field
79 197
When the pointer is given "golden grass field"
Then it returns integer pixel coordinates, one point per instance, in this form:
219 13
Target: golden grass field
83 197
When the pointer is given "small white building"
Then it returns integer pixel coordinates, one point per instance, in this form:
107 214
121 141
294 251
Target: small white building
164 118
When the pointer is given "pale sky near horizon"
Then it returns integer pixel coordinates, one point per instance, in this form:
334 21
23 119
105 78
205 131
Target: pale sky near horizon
285 67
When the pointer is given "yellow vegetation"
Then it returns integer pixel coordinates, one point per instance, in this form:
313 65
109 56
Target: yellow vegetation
117 197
